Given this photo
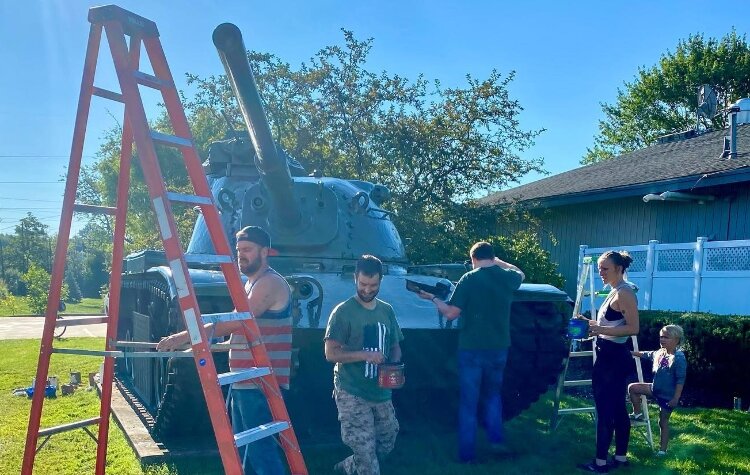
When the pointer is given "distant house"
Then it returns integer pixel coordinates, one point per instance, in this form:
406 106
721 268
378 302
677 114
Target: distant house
623 201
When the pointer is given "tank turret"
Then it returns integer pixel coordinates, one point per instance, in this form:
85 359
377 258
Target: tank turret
228 41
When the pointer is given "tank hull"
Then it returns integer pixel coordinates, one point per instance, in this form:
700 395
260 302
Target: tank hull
170 389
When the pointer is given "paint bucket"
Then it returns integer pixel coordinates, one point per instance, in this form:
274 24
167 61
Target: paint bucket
75 378
53 381
391 375
578 328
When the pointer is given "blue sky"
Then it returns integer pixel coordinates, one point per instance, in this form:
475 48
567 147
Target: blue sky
568 57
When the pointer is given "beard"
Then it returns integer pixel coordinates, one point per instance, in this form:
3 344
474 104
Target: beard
367 298
249 267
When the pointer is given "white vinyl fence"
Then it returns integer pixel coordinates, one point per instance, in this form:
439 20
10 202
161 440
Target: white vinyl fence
701 276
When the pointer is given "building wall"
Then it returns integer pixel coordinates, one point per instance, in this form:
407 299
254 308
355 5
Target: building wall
630 221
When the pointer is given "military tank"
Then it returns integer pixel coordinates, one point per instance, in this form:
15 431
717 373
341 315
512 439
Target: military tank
320 226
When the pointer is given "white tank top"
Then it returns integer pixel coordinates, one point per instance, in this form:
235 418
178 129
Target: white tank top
605 310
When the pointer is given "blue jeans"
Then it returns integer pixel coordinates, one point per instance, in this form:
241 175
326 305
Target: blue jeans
250 409
480 375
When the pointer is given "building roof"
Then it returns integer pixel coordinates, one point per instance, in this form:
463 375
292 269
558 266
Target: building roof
674 166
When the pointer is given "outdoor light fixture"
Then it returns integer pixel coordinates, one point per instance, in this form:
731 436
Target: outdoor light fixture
677 196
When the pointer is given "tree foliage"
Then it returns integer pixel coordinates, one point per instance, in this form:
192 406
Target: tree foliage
663 98
434 147
525 250
37 283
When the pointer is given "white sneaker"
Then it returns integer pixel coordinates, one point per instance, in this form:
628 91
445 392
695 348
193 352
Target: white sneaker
661 453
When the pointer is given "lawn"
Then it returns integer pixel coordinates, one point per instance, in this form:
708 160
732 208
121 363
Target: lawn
21 307
705 441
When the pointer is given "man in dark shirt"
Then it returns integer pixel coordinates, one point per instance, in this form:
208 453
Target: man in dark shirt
482 298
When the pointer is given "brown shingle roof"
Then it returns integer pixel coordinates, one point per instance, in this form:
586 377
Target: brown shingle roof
693 162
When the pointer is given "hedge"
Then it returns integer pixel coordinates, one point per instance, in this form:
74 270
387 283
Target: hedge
717 348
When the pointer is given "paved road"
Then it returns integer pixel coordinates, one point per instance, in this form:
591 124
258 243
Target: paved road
31 327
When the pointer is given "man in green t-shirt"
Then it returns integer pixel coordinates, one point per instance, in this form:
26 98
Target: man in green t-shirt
362 332
482 299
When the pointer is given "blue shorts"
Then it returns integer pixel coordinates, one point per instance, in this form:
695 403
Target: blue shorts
664 404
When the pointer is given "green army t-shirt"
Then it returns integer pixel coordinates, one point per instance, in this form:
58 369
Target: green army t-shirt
358 328
484 296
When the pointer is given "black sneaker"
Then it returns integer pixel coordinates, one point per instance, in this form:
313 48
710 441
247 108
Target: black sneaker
593 467
614 463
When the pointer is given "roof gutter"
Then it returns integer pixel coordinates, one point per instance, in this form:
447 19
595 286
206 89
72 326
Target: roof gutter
677 196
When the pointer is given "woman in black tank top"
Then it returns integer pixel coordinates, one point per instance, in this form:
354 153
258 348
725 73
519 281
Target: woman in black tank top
616 322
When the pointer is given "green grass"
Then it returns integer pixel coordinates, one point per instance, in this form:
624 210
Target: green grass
87 305
704 441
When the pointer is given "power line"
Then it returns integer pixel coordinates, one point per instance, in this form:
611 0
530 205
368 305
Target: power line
30 182
23 208
43 156
27 199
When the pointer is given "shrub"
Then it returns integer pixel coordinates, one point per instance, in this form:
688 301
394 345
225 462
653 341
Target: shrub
524 250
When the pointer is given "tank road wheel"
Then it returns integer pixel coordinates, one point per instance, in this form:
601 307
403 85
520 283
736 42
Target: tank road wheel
538 347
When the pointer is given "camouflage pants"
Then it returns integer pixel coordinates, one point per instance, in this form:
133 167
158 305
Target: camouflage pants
368 428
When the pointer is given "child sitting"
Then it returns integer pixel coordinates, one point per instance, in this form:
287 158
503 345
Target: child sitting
669 367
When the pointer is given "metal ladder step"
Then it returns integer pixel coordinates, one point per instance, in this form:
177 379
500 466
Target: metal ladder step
171 140
225 317
124 354
576 410
189 199
106 94
243 375
577 382
94 209
208 259
72 321
151 81
69 426
260 432
576 354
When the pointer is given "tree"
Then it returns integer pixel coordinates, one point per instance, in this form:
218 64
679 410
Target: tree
38 282
663 99
435 148
29 245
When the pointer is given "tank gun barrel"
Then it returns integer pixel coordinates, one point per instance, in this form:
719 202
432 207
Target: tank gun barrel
228 41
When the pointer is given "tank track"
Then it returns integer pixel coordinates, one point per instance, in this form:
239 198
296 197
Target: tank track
538 347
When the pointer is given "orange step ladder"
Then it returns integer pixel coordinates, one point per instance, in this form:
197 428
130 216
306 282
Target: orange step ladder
117 24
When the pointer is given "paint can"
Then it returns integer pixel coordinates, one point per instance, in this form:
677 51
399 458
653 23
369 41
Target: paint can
53 381
391 375
737 404
75 378
578 328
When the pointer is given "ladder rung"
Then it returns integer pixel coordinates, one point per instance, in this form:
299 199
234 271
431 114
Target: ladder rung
576 410
208 259
171 140
225 317
112 96
242 375
84 320
151 81
576 354
151 346
67 427
577 382
94 209
191 199
260 432
124 354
